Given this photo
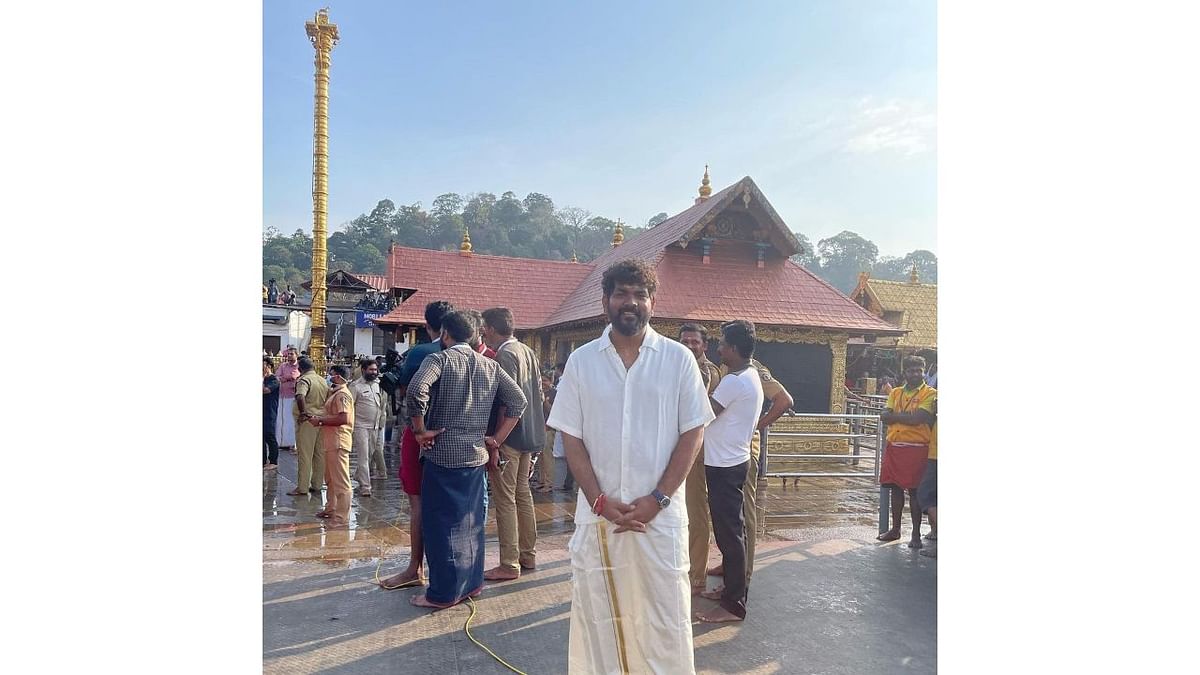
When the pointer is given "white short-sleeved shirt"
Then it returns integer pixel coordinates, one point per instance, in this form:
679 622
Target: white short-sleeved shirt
727 439
630 421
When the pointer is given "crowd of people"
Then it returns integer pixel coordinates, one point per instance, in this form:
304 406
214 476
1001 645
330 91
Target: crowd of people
627 418
271 295
375 301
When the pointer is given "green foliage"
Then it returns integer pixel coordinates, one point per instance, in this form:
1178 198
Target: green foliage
843 256
808 255
534 228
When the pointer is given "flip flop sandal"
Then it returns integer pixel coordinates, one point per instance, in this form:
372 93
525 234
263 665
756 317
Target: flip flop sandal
411 583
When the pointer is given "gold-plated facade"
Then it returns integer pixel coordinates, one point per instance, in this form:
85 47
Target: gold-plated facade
323 36
465 247
618 234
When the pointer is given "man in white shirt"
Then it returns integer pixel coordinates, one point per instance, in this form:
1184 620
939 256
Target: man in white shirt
737 402
631 411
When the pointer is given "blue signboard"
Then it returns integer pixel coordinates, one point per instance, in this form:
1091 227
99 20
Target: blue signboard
362 318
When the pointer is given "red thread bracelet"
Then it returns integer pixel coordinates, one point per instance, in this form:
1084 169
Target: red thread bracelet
598 505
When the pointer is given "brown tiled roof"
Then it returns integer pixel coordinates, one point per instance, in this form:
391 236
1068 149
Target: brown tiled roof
583 303
376 281
531 288
731 287
545 293
782 293
917 302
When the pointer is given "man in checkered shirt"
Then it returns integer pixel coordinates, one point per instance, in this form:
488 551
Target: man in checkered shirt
449 400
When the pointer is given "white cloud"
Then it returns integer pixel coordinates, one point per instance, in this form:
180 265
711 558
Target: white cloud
905 127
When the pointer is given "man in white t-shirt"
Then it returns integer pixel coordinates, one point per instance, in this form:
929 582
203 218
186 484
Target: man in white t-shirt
737 402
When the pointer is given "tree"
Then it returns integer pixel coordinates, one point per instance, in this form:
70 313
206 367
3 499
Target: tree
899 269
532 227
807 257
574 218
843 256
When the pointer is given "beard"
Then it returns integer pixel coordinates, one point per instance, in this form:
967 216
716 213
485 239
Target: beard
628 325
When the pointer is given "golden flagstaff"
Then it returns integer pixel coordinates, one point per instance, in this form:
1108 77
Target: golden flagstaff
324 36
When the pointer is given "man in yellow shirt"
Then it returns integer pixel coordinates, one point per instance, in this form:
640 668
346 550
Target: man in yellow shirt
311 392
336 423
909 415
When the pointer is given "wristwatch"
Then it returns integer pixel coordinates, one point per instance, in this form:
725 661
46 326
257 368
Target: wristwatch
663 500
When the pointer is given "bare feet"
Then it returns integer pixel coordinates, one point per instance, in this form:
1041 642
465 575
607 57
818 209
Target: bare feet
718 615
932 536
335 521
420 600
298 493
915 542
269 467
929 551
527 566
891 535
323 514
718 571
714 594
406 579
697 589
501 573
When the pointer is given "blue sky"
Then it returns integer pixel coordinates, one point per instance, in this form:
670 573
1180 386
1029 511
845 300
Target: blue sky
615 108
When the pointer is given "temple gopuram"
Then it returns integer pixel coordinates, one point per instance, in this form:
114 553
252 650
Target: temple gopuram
727 257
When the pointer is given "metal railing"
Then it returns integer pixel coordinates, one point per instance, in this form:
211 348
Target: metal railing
865 432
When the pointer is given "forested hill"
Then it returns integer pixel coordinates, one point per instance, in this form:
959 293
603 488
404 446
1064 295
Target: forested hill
533 228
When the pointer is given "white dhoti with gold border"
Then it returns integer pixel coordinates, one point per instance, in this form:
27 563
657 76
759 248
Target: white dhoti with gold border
631 602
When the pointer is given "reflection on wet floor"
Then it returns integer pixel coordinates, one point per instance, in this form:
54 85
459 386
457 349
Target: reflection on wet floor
379 524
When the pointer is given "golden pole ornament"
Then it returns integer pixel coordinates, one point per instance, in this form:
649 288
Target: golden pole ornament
324 36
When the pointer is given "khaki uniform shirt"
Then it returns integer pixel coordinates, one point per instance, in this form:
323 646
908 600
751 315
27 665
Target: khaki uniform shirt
313 390
368 404
340 437
710 374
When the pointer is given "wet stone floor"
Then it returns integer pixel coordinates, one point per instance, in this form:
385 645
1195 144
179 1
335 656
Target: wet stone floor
826 597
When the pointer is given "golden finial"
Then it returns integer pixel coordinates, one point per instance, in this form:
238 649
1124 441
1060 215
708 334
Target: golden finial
618 234
465 247
912 274
574 258
705 187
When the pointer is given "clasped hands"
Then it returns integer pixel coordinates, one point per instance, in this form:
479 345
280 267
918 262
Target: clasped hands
630 517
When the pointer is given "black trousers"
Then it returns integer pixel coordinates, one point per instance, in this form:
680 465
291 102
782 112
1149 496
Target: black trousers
270 446
725 504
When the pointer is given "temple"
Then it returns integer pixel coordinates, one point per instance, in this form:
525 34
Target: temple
727 257
908 305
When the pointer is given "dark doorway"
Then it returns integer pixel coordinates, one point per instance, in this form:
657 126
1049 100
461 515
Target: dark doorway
803 369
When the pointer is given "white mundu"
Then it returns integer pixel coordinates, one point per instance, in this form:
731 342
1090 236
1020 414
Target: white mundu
727 439
631 598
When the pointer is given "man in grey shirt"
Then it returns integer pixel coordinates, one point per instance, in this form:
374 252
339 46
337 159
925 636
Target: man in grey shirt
449 401
516 524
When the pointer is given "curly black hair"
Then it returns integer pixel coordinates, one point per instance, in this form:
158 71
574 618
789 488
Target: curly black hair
632 271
